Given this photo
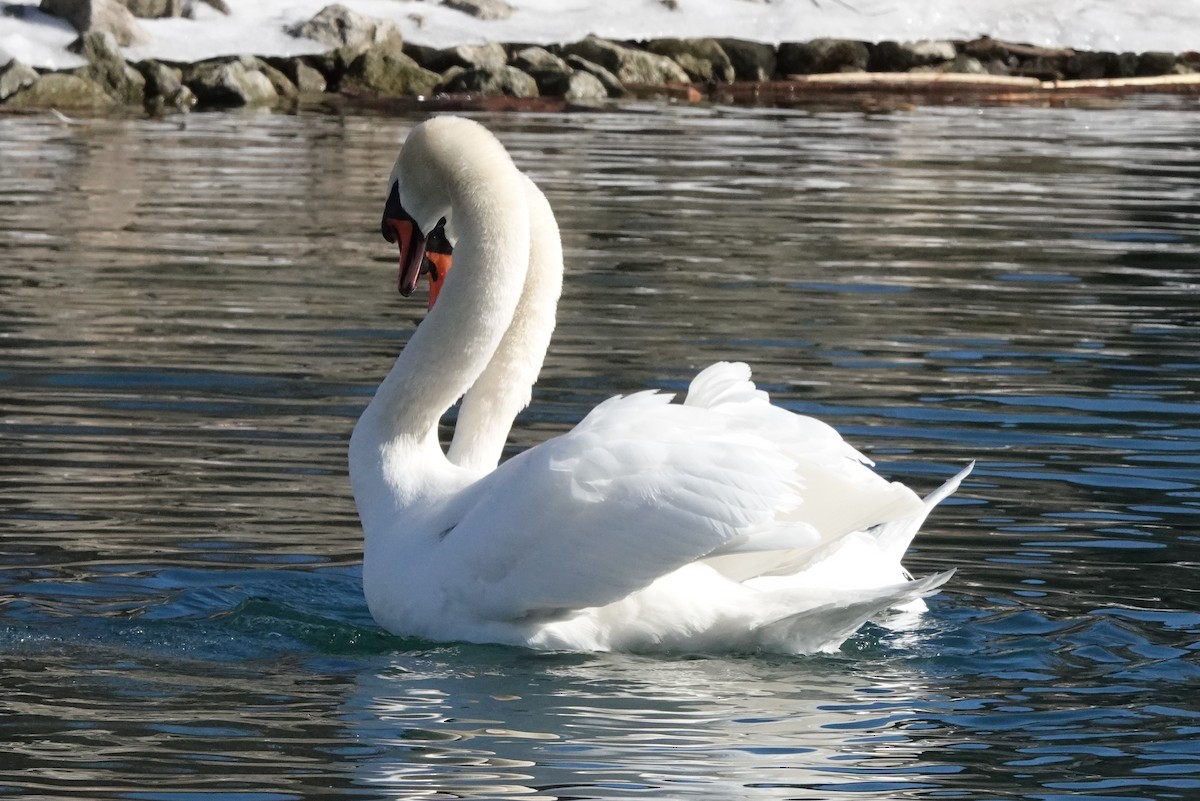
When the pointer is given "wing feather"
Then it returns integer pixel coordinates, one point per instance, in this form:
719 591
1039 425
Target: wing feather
637 490
642 487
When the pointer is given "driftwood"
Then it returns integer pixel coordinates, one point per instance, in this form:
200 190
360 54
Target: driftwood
896 87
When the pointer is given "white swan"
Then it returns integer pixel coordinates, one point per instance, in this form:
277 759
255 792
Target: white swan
722 523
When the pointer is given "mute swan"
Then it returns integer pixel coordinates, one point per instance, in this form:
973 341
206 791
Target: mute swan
722 523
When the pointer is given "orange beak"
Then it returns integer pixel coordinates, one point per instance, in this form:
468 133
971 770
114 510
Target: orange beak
439 266
412 253
419 253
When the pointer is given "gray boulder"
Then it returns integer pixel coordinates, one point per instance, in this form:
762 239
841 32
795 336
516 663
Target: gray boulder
556 78
1127 65
822 56
1156 63
165 91
155 9
386 71
890 56
230 83
579 87
611 84
751 61
98 15
107 67
481 9
62 90
505 80
304 76
339 28
628 64
1092 65
702 59
963 64
538 59
284 88
549 71
489 56
14 77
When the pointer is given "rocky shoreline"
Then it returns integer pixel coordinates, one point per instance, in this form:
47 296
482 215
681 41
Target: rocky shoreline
369 63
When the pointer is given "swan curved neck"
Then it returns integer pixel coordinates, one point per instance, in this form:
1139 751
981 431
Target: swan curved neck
454 343
506 384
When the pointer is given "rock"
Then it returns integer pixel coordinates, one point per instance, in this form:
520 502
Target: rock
387 72
490 56
14 77
822 56
999 66
539 59
1127 64
219 5
752 61
339 28
282 84
556 78
450 75
609 81
229 83
1044 68
1156 63
1092 66
505 80
551 73
985 48
98 15
164 88
155 9
583 87
348 35
306 78
963 64
107 67
481 9
62 90
628 64
702 59
930 51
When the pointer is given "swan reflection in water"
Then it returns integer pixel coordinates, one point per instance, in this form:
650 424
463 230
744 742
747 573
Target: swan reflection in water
454 724
720 523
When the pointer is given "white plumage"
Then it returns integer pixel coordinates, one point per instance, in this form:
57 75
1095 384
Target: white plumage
720 523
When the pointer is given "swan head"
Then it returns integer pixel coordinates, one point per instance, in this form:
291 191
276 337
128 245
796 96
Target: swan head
420 253
445 164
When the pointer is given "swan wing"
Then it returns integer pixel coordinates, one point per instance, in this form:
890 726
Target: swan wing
642 487
638 489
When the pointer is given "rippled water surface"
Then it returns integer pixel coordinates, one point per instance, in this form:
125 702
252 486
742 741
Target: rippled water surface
193 312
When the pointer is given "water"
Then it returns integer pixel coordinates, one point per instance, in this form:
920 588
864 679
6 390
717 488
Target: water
194 312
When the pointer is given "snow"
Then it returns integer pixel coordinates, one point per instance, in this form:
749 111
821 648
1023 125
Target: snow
257 26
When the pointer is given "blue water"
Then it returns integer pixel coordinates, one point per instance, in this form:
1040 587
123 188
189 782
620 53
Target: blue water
192 314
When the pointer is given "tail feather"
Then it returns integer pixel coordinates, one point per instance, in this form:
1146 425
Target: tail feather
894 537
824 628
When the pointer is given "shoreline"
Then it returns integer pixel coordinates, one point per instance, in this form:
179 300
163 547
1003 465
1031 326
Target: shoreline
369 65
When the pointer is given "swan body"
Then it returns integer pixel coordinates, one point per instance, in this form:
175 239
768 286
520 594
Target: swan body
719 523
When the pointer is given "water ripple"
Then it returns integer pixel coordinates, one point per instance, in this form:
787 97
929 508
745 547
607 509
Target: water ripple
193 315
